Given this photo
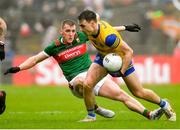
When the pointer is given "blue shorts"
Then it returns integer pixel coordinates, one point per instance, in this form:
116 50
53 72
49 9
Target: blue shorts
99 60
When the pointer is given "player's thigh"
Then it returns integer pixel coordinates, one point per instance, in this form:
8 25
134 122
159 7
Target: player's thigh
94 75
110 89
78 80
133 83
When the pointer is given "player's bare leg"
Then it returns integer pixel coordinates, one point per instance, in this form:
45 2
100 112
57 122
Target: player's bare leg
112 91
94 75
76 87
109 89
135 86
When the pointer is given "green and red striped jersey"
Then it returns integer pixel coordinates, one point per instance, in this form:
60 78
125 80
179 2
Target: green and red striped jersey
72 58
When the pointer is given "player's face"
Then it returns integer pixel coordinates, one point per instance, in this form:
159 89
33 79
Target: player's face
88 27
68 33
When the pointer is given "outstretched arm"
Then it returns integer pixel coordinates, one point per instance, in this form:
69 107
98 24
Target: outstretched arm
32 61
131 28
29 63
120 28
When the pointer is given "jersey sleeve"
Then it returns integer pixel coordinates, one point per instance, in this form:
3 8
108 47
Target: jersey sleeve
49 49
112 40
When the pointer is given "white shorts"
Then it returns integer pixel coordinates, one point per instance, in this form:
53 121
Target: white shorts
96 88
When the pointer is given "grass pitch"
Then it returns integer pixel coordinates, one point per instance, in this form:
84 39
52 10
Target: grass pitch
55 107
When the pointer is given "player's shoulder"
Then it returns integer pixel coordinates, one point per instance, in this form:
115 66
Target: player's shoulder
105 29
104 23
82 36
55 43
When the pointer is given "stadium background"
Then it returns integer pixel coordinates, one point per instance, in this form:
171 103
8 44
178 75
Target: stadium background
32 24
29 32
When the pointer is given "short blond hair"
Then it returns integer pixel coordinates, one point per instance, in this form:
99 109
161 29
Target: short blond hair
68 22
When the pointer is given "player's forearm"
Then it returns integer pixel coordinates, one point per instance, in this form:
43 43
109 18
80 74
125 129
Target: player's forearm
131 28
126 61
29 63
120 28
127 55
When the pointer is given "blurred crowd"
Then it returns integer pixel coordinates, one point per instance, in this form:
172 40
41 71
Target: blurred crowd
33 24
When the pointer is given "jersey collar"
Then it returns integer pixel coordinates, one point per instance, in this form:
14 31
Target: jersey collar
66 43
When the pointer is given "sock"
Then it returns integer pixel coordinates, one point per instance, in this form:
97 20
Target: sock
146 113
162 103
95 106
91 112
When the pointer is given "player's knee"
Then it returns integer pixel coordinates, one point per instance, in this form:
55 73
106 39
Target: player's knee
79 81
120 96
138 93
87 85
78 91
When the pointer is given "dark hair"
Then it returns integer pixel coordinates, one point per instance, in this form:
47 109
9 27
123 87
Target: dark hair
87 15
68 22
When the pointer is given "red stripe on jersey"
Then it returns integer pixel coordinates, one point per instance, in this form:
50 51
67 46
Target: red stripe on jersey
71 53
57 42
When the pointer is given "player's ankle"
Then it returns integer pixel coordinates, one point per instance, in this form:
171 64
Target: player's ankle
163 103
146 113
96 106
91 113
